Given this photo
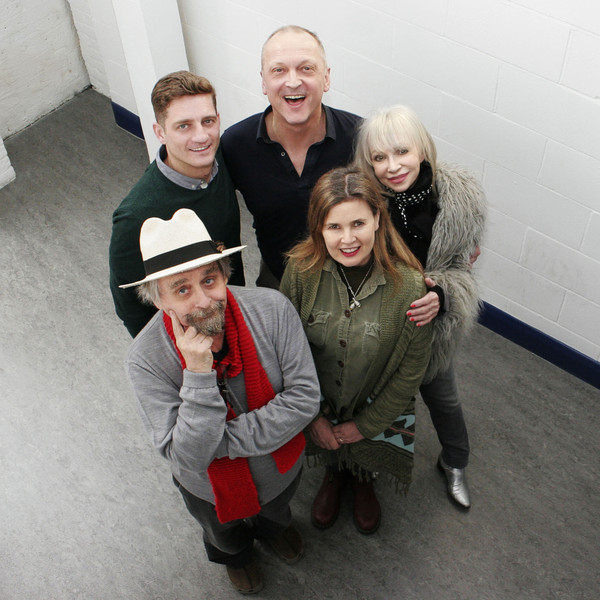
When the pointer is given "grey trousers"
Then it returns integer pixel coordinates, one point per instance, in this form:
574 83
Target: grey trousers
441 397
231 543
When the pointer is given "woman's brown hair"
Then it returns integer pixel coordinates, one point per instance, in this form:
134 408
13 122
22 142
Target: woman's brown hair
340 185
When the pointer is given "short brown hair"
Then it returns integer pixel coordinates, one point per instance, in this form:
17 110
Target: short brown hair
177 84
340 185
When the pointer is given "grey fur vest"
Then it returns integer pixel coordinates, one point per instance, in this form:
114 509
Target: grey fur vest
457 230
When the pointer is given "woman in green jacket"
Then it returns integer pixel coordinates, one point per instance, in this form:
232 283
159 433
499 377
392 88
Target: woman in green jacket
352 281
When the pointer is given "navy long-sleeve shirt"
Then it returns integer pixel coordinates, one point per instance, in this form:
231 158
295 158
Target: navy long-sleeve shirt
276 196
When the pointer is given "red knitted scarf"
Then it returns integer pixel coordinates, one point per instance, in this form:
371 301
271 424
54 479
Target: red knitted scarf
235 493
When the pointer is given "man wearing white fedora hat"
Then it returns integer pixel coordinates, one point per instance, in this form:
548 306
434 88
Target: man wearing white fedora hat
225 384
188 172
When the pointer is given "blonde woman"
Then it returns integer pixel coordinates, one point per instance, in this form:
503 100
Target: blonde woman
440 213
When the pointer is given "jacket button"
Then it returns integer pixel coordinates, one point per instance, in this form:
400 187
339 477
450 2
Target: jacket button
347 313
343 343
311 319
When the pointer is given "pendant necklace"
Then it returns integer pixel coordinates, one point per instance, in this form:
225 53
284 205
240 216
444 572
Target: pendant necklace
355 303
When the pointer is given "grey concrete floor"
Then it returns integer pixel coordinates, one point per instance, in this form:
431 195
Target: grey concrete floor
88 507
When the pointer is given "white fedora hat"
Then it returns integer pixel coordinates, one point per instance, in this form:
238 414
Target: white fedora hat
178 245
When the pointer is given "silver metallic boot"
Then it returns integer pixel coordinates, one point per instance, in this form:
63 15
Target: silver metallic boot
458 489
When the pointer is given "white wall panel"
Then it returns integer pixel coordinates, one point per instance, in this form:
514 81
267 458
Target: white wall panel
582 64
536 206
591 242
508 88
564 266
581 13
40 62
551 110
522 285
504 235
492 137
444 64
554 330
511 33
430 15
572 174
7 173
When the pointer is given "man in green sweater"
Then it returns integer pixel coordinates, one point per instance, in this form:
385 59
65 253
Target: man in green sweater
188 172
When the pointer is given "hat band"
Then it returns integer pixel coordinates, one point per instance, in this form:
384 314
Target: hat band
160 262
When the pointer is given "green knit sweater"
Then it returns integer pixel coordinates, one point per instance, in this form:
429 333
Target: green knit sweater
156 196
392 380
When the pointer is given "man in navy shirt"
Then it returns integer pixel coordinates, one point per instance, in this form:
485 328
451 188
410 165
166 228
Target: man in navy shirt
276 157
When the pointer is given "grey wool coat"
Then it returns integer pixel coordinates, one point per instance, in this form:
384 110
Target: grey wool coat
458 229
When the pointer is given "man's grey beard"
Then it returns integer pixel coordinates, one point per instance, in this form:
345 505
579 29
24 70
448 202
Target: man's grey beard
208 321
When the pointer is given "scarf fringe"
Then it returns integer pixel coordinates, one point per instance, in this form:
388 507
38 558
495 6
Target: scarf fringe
400 481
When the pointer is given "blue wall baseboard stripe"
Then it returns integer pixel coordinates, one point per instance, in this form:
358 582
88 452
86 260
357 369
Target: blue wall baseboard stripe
516 331
127 120
543 345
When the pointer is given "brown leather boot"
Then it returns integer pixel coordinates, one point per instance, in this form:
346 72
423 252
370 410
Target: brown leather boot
246 579
326 505
367 512
288 546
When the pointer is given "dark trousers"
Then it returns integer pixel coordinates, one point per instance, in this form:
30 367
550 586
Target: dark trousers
266 278
231 543
441 398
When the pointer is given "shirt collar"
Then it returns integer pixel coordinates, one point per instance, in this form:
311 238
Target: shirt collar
377 276
376 279
262 134
189 183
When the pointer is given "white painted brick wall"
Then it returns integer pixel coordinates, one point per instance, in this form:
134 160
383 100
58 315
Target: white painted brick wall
496 139
510 33
564 266
552 110
536 206
591 242
88 42
584 14
436 66
7 173
521 285
582 64
572 174
505 235
509 88
40 62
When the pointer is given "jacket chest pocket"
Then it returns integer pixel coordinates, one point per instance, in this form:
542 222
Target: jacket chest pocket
316 330
370 341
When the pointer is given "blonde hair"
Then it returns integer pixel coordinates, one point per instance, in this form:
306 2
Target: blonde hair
394 127
337 186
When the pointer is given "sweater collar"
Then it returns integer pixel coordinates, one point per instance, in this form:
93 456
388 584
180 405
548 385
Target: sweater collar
189 183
